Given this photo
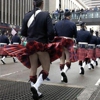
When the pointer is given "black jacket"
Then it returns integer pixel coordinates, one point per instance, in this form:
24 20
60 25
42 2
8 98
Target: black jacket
66 28
83 36
16 38
40 30
4 39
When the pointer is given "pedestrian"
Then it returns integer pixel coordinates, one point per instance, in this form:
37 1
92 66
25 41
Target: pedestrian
15 40
37 26
83 39
67 29
3 41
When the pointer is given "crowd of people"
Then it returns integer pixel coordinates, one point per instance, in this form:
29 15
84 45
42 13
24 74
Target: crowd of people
77 13
47 43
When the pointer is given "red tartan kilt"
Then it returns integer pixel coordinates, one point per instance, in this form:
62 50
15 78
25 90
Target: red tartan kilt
73 55
2 52
91 53
97 52
64 41
81 53
23 53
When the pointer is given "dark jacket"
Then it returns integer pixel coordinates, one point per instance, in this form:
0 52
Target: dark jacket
98 40
93 40
65 28
4 39
83 36
16 39
40 30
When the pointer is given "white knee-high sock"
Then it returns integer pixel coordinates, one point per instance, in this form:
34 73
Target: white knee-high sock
89 66
65 69
3 58
93 63
84 64
39 81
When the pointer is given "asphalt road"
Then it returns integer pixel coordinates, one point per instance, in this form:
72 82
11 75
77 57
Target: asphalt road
16 71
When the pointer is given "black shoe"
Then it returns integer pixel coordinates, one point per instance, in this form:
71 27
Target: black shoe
64 77
82 71
3 62
96 63
92 66
35 94
14 60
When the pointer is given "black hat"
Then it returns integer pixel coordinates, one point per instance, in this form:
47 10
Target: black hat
82 23
67 13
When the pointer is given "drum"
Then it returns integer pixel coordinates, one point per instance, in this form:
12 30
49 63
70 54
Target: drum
91 46
98 46
15 43
83 45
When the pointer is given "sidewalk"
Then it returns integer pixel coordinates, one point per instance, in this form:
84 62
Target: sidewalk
91 93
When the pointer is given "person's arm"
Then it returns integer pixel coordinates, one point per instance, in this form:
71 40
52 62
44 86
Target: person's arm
24 28
50 30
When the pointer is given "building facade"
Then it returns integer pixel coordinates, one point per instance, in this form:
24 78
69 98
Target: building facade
12 12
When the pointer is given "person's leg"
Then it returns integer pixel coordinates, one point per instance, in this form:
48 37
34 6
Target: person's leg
45 62
2 59
14 59
66 66
81 68
33 71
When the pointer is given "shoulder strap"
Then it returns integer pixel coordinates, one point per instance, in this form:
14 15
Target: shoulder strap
32 18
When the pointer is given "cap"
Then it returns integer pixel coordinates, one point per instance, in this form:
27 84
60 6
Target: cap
82 23
67 13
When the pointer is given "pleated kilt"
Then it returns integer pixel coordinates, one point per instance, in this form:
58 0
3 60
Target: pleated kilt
86 53
91 54
54 49
97 51
82 54
68 43
2 52
23 53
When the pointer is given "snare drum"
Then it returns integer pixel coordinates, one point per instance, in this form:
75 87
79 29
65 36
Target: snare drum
91 46
82 45
2 44
98 46
15 43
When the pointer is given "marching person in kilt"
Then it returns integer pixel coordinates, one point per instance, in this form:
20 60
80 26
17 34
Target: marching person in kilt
91 50
83 38
3 41
97 51
15 40
66 29
40 49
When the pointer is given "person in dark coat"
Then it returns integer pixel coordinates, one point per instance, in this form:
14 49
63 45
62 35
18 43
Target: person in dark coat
65 28
3 41
83 38
91 50
15 40
37 27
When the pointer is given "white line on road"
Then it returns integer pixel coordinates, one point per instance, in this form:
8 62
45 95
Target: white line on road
98 83
11 73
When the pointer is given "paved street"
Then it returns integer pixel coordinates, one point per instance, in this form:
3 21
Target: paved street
16 71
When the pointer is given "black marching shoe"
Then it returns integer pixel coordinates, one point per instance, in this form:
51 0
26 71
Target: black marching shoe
3 62
64 77
35 95
96 63
14 60
82 71
92 66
